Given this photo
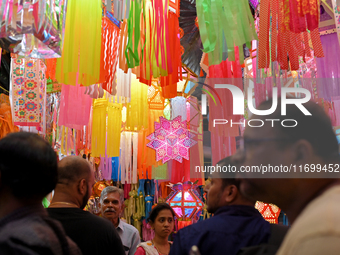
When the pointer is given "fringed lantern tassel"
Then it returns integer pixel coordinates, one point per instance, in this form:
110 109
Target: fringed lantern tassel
114 125
99 127
134 162
109 54
141 187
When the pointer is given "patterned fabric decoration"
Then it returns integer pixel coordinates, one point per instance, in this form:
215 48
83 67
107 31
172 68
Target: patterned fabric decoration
28 85
287 22
269 212
109 55
171 140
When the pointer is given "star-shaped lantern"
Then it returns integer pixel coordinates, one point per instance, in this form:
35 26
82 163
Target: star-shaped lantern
171 139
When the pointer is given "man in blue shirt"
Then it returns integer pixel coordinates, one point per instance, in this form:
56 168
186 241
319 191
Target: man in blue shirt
235 224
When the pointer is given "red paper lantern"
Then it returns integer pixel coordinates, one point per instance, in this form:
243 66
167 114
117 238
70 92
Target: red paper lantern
269 212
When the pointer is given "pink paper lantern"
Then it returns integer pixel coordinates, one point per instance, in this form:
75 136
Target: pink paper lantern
171 140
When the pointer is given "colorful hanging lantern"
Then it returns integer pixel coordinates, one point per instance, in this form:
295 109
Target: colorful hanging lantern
186 203
234 19
80 60
28 83
109 52
171 140
269 212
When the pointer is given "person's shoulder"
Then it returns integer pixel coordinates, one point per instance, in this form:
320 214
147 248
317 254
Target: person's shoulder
32 224
99 220
27 234
194 228
145 244
310 221
66 212
129 227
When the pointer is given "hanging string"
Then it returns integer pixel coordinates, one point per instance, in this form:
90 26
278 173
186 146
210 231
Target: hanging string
4 89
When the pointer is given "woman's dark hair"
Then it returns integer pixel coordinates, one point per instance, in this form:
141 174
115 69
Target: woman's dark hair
159 207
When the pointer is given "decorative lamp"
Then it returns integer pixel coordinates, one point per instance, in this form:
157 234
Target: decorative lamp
171 139
186 203
269 212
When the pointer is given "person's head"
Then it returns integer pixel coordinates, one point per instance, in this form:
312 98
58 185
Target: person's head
224 188
28 167
161 219
111 202
76 178
311 141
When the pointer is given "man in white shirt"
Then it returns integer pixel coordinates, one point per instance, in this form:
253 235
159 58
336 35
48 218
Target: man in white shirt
111 202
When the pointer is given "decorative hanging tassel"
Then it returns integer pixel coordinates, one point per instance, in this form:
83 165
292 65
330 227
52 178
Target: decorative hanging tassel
109 53
123 86
141 187
148 205
82 32
114 125
288 21
148 233
134 179
227 20
122 46
75 107
99 127
133 24
148 197
137 109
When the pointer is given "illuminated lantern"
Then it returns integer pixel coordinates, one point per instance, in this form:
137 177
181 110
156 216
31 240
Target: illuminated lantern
171 140
186 207
269 212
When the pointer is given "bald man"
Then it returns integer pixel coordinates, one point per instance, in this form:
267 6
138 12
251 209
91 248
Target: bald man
92 234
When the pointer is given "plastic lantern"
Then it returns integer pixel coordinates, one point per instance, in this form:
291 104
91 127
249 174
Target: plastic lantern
186 203
171 140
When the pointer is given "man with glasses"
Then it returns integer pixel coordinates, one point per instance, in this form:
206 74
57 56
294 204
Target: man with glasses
308 196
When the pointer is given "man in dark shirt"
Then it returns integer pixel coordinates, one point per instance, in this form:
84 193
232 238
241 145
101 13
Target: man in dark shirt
28 172
235 224
91 233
